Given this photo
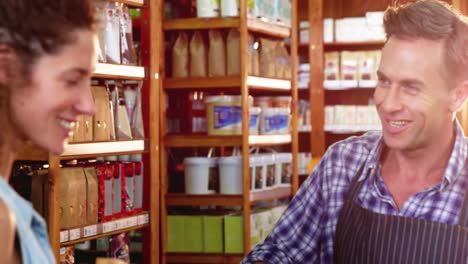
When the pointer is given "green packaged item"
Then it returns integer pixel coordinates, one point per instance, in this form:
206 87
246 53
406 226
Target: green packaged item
213 234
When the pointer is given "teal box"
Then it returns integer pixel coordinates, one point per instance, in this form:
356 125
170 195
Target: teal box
213 234
233 234
175 233
193 227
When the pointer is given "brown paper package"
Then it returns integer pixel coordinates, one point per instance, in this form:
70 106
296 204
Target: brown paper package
216 54
267 58
92 194
180 56
198 63
101 120
233 52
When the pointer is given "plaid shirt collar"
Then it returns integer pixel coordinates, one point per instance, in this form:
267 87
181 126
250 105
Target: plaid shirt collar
456 163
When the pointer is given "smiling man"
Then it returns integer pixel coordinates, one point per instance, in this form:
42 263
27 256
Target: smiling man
400 195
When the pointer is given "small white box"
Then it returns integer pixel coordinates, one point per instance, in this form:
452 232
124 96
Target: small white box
328 31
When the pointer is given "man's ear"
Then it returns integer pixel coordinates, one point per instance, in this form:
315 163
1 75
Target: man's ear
459 96
7 61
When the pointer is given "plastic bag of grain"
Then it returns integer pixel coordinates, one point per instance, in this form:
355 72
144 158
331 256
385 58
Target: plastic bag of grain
267 58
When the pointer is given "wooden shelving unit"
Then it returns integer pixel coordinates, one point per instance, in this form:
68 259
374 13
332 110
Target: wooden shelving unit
149 219
243 85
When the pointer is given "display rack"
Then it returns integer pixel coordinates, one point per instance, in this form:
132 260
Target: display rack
243 85
150 218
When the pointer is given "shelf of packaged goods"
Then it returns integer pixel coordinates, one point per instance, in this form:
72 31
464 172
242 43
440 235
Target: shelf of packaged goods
87 150
132 3
277 192
115 71
180 199
199 140
203 258
376 44
254 82
92 232
254 25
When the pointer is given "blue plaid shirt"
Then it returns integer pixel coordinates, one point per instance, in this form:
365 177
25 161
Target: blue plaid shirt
305 232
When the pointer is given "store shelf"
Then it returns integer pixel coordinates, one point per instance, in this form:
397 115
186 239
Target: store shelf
271 194
132 3
353 45
203 258
92 232
254 25
200 23
259 83
115 71
181 199
85 150
200 140
202 83
350 129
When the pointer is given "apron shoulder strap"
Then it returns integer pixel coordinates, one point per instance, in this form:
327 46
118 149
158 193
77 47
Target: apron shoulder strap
356 184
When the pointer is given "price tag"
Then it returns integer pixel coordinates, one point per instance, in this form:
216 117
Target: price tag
132 221
146 219
141 220
121 224
108 227
90 231
63 236
75 234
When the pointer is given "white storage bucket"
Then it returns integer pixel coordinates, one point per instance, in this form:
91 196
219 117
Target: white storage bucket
201 175
230 175
283 170
208 8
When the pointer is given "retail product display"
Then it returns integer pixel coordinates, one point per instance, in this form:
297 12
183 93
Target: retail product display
351 69
115 34
354 29
219 232
351 118
219 56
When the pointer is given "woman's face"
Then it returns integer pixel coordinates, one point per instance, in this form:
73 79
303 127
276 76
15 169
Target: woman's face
59 91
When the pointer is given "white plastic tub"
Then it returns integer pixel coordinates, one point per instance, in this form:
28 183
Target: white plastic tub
230 175
200 175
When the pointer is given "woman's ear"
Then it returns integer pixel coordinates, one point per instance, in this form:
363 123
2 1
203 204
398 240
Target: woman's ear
7 62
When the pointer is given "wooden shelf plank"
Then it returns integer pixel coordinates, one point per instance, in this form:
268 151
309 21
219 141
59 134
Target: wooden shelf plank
133 3
274 30
226 82
201 200
211 82
113 148
203 258
268 83
115 71
200 23
353 45
268 140
271 194
85 150
254 25
200 140
92 232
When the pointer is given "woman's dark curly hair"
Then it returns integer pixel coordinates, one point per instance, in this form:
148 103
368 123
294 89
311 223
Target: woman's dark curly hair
36 27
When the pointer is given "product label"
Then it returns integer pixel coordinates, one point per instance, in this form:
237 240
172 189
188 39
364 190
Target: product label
213 180
286 172
276 122
270 175
90 231
253 121
227 117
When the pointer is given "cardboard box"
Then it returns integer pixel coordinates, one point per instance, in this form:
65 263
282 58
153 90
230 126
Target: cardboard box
213 234
175 233
193 234
233 234
92 194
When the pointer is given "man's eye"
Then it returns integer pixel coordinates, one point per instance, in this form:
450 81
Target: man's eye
384 83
